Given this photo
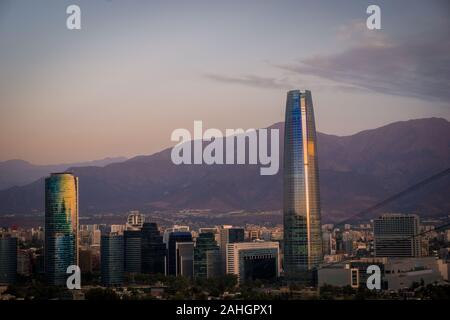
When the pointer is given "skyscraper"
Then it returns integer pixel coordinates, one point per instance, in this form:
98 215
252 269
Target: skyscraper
133 250
184 259
153 250
61 226
173 252
206 256
8 259
112 263
228 234
395 235
301 198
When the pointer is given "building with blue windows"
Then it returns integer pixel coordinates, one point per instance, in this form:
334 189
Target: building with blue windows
301 196
112 262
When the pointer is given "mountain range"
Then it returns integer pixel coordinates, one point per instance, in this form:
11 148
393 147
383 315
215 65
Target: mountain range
356 171
16 172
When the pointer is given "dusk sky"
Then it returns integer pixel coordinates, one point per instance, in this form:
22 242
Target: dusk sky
137 70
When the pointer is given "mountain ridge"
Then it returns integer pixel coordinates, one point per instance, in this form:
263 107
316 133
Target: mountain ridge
356 171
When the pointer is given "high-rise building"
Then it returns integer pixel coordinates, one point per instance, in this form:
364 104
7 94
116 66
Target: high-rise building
24 266
253 260
172 248
61 226
112 264
175 228
185 259
8 259
133 250
228 234
154 250
85 259
396 235
301 197
206 256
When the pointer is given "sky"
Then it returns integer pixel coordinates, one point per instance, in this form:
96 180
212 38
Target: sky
137 70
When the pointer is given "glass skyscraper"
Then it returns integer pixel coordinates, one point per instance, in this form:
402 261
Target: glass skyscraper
61 226
301 198
133 250
153 250
8 259
172 250
206 256
112 259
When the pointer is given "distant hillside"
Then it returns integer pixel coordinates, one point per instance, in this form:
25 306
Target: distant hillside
355 172
17 172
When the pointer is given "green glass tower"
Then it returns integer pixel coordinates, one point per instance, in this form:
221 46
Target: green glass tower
301 197
206 256
61 226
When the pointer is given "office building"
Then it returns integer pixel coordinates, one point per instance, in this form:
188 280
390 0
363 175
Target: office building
61 226
8 259
301 196
228 234
185 259
24 263
253 260
133 250
396 235
154 250
112 262
173 261
206 256
86 260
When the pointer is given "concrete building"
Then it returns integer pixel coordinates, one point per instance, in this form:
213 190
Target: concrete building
253 260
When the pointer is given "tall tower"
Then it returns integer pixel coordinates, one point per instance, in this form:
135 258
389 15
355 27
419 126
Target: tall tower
301 198
61 226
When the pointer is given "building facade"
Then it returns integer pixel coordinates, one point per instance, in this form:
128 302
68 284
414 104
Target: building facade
173 250
253 260
206 256
8 259
133 250
229 234
301 196
396 235
112 262
153 250
61 226
184 259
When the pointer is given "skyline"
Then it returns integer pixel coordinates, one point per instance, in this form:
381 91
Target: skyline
108 90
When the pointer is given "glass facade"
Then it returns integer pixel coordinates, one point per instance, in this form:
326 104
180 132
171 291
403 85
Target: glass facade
206 256
8 259
396 235
174 238
301 197
112 263
153 250
133 250
61 226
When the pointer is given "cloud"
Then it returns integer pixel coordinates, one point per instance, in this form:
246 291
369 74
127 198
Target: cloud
253 81
419 69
